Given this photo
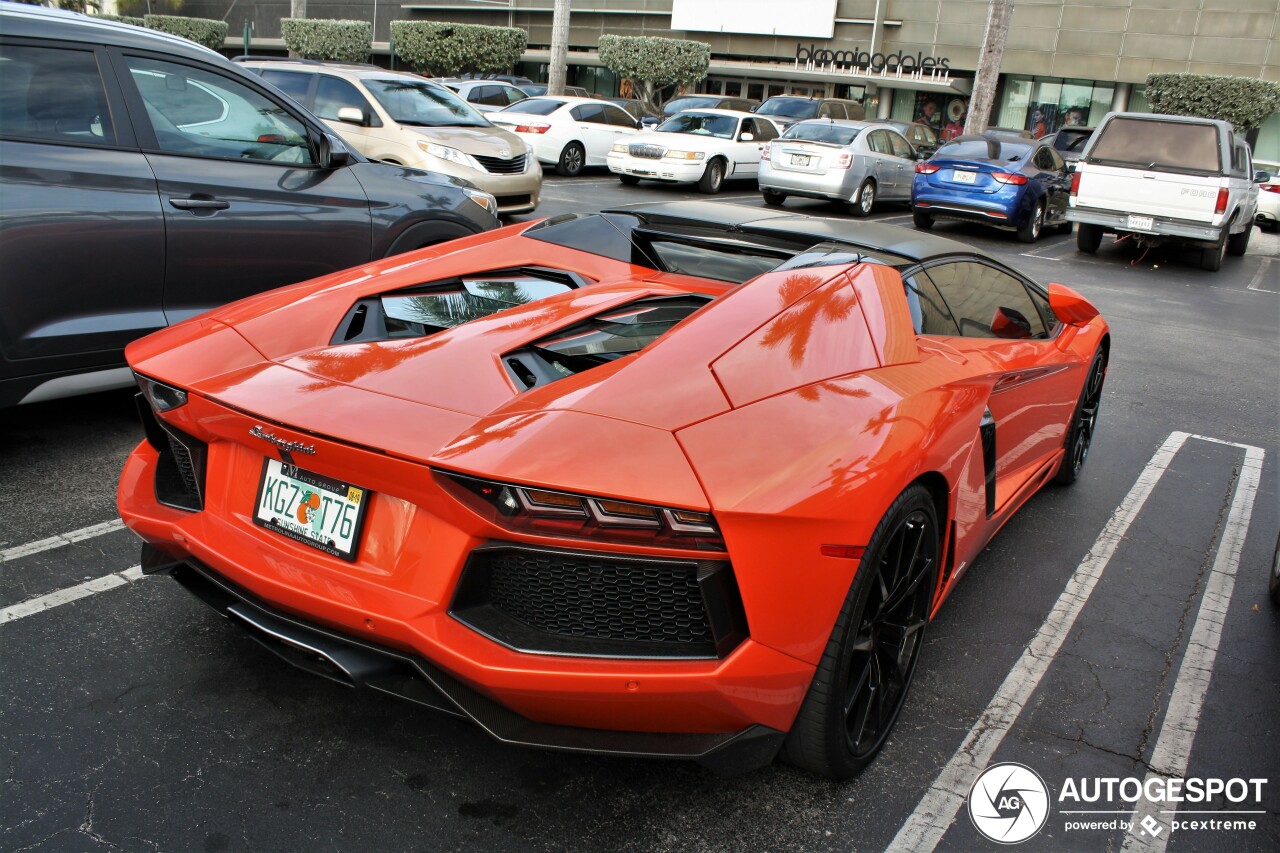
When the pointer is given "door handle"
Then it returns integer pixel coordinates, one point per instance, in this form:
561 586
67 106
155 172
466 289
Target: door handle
197 204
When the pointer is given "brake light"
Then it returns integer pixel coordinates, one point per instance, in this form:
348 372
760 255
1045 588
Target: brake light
1222 201
1075 184
271 139
539 127
1270 188
1008 178
926 168
844 160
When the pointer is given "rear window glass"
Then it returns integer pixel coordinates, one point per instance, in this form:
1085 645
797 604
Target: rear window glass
978 149
822 132
1159 145
536 106
1072 140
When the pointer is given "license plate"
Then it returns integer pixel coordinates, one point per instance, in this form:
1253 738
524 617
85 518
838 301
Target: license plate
799 159
1140 223
311 509
963 177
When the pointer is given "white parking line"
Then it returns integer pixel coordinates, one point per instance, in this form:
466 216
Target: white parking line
60 540
32 606
1172 752
1255 283
937 809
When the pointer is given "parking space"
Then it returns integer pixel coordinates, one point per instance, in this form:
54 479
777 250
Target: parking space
1119 629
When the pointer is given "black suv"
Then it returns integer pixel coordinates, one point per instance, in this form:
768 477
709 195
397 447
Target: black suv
145 179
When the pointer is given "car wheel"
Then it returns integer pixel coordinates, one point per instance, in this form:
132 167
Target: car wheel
629 180
713 178
1211 258
1030 232
922 219
1271 225
861 682
773 198
1084 422
864 200
1088 237
1238 244
572 159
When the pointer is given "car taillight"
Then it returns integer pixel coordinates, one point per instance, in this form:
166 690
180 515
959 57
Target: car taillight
844 160
766 153
1222 201
1009 178
533 128
1270 188
1075 183
926 168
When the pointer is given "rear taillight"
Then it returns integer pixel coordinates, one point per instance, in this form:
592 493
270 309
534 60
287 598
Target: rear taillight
1075 184
843 160
926 168
532 128
1009 178
1222 201
766 153
1270 188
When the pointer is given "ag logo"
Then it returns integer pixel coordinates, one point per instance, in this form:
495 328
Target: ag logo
1009 803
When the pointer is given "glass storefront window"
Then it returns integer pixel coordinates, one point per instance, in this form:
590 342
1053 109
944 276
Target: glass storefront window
1013 106
1100 104
755 91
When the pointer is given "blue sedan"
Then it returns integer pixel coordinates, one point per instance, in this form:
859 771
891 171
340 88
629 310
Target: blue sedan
1017 185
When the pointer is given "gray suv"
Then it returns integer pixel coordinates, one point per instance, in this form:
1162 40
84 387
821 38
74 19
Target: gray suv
145 179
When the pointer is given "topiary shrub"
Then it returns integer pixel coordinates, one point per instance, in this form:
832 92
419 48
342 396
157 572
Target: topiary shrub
123 19
342 41
442 49
211 34
1246 102
652 64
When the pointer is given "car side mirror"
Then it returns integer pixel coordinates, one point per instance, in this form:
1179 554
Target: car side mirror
352 115
334 153
1069 306
747 137
1010 323
1261 177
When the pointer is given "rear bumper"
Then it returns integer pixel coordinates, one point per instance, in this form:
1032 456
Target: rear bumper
1161 225
359 663
839 185
997 216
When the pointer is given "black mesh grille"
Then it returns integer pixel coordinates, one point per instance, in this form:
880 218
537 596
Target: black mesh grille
186 469
571 602
500 166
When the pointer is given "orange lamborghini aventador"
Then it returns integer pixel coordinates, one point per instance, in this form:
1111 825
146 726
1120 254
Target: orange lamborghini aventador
683 480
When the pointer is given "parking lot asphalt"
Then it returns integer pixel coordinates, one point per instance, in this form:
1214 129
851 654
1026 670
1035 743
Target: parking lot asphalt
1117 629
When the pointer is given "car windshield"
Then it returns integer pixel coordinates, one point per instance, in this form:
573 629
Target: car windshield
789 107
1159 145
701 124
676 105
535 106
993 150
423 104
833 134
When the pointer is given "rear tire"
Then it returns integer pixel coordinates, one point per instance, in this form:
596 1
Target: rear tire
1030 232
1088 237
773 198
571 161
1212 257
1238 244
713 178
922 220
862 680
864 200
1084 421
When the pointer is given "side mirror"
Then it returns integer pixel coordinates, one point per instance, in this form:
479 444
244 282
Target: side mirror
1010 323
1069 306
334 154
1261 177
747 137
352 115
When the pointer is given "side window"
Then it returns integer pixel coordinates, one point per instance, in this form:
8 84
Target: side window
879 142
490 96
901 148
511 94
1240 161
591 113
987 302
929 312
293 83
334 93
53 95
764 130
618 117
195 111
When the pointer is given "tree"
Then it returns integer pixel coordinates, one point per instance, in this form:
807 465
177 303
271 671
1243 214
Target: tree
652 64
559 48
1243 101
441 49
987 74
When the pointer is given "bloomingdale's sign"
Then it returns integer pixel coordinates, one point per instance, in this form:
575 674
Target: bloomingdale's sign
876 62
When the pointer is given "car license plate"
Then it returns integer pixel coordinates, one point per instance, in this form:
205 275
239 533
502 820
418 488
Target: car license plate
1140 223
799 159
962 177
308 508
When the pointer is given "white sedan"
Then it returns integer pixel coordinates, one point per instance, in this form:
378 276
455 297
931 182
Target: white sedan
568 133
706 146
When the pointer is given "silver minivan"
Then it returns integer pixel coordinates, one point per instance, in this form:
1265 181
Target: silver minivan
855 162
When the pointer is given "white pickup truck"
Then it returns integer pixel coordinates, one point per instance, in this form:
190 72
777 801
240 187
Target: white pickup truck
1154 178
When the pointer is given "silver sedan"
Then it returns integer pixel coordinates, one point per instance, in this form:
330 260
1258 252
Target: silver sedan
855 162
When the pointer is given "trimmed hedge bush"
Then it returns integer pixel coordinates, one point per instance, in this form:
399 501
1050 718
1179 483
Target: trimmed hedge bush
443 49
123 19
211 34
1244 101
652 63
342 41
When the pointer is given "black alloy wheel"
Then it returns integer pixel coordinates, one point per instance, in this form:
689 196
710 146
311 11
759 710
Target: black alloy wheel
571 161
862 680
1084 423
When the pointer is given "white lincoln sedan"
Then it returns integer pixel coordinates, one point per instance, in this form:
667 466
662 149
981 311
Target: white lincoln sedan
702 146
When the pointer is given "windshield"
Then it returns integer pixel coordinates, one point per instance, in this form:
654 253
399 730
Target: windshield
789 107
1160 145
822 132
423 104
701 124
679 104
535 106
